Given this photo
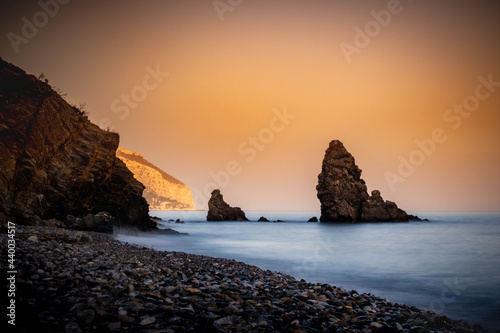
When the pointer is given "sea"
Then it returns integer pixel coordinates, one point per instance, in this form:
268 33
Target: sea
449 265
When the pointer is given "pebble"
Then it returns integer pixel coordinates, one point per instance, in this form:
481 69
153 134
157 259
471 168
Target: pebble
114 326
125 318
76 281
147 321
33 238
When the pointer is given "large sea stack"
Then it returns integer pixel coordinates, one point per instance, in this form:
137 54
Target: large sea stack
163 191
341 191
219 210
343 194
54 162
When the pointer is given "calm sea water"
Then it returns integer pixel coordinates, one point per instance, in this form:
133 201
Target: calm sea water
450 265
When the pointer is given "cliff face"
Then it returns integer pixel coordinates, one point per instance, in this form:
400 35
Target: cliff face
55 162
219 210
343 194
162 192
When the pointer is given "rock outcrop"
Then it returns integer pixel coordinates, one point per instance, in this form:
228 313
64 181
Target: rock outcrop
162 192
54 162
219 210
99 222
343 194
375 209
341 191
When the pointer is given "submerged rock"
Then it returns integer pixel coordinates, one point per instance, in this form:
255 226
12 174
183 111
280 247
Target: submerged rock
219 210
343 194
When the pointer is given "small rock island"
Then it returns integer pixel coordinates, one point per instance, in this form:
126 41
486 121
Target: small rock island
343 194
219 210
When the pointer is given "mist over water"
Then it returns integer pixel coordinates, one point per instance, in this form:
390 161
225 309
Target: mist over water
450 265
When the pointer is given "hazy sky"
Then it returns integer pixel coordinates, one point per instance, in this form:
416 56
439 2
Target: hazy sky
246 95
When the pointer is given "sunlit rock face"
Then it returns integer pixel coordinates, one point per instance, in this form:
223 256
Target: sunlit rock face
219 210
54 162
343 194
162 192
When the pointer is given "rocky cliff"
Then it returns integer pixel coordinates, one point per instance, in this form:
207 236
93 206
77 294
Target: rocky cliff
343 194
54 162
219 210
162 192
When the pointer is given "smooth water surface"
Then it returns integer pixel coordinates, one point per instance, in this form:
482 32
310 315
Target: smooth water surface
450 265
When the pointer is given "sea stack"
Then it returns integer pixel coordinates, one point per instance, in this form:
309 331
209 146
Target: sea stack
219 210
343 194
341 191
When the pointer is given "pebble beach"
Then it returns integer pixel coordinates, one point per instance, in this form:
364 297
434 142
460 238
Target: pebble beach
75 281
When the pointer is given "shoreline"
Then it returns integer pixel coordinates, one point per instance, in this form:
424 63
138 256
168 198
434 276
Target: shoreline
82 281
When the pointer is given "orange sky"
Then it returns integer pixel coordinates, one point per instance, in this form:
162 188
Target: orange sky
225 78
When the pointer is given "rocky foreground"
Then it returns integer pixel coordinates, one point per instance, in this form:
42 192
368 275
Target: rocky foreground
75 281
